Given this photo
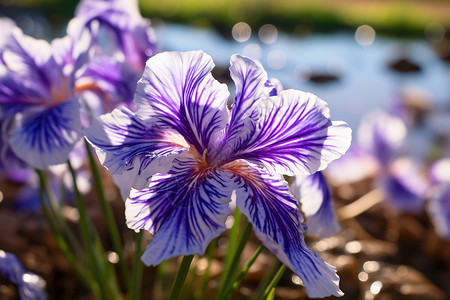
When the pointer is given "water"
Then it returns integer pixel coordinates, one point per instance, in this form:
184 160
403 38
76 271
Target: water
364 80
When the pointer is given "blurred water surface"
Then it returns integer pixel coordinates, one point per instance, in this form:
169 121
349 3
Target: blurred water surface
352 77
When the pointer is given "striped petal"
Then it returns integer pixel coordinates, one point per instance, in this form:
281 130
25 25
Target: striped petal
45 136
294 135
185 209
269 205
110 79
133 148
178 90
252 88
314 196
28 67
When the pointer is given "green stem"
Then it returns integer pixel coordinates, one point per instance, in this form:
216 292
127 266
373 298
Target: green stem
205 277
228 293
60 241
110 221
274 282
137 268
266 280
231 267
56 212
92 244
181 277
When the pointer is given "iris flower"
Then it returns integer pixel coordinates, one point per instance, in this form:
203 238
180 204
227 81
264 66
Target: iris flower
380 153
30 285
121 42
40 97
184 152
41 110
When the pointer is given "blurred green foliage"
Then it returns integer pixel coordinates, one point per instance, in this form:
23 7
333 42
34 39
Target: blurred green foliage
391 17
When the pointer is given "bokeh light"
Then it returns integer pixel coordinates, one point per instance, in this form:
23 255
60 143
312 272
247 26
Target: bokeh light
302 73
276 59
296 280
241 32
435 32
113 257
252 50
376 287
268 34
365 35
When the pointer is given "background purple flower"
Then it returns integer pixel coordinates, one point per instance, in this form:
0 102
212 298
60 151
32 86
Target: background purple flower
382 135
121 42
42 122
30 285
314 196
439 202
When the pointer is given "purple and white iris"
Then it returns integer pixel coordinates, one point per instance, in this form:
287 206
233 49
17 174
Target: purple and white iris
41 112
188 152
121 42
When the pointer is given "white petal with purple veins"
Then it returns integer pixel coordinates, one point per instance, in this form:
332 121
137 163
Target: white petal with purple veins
250 80
45 136
185 209
178 90
273 211
294 135
131 147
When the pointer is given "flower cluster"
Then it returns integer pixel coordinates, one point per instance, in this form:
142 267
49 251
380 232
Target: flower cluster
183 153
44 86
175 146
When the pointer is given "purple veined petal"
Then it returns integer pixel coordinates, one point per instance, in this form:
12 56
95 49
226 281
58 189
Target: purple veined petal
129 146
250 80
90 9
117 29
25 77
45 136
382 135
111 80
439 209
273 211
135 177
7 25
185 209
10 165
294 135
404 186
179 91
30 285
273 87
314 196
